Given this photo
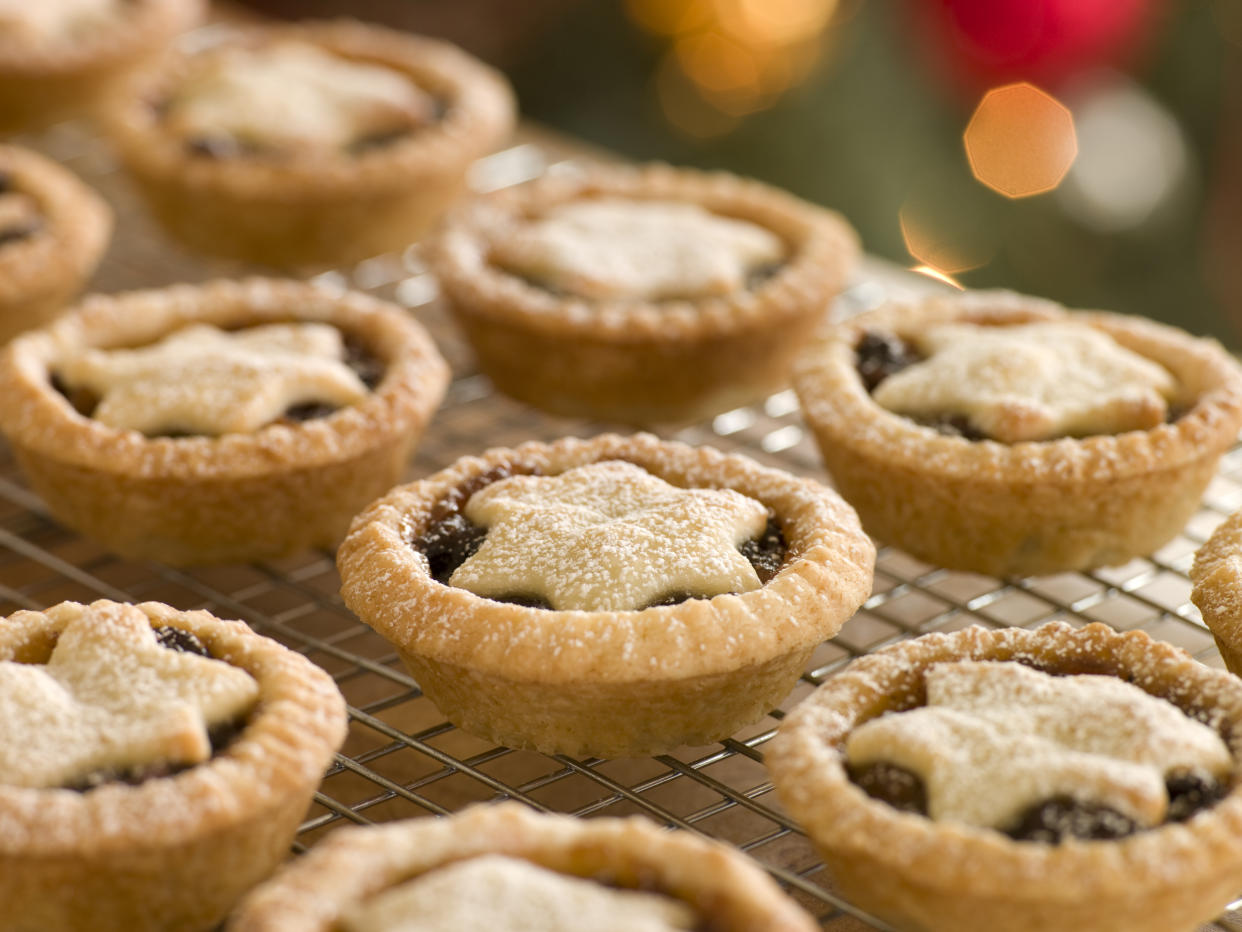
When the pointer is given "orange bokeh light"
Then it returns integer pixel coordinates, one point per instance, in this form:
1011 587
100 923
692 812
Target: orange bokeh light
1020 140
774 22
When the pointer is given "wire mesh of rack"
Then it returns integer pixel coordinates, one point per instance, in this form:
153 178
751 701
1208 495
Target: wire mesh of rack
402 758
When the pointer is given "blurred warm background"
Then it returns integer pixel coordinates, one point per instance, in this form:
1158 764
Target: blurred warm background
1085 150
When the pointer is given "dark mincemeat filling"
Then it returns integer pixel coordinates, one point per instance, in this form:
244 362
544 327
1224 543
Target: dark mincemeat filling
881 355
1061 817
365 365
451 539
221 735
1053 820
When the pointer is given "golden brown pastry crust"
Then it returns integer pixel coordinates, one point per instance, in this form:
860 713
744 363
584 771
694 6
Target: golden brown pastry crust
324 207
42 272
950 877
173 852
1217 578
44 82
728 890
610 684
635 361
1026 508
236 497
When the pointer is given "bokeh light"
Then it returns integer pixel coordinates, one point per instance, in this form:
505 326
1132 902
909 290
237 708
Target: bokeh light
735 56
938 276
1020 140
1132 158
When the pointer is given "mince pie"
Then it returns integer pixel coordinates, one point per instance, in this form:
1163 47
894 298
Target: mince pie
1217 577
310 143
145 751
504 867
222 422
1023 780
60 57
616 597
1005 435
53 231
641 295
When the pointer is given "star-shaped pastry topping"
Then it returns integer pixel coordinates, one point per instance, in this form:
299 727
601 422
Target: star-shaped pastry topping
651 250
494 892
201 380
1031 381
111 698
295 96
608 537
996 739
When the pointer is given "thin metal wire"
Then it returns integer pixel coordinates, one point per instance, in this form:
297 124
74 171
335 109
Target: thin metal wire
402 759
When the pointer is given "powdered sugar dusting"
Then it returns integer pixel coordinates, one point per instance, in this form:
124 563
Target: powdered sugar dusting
294 95
203 380
644 249
1032 381
609 536
111 697
995 739
495 892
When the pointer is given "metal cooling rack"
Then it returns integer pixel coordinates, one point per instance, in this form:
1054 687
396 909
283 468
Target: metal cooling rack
401 758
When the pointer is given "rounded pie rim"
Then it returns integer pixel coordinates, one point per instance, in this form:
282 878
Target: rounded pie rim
298 722
355 862
35 415
77 225
834 398
825 249
806 765
480 112
826 576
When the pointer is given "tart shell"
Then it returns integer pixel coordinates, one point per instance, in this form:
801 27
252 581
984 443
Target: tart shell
949 877
1025 508
729 891
1217 578
609 684
44 82
173 852
634 361
320 208
41 273
233 498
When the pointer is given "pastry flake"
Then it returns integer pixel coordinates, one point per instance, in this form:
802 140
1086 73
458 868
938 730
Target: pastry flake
499 892
609 248
1031 381
112 698
294 95
609 537
202 380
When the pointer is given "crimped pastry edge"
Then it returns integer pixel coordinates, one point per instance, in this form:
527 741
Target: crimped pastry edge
481 113
828 575
823 251
298 723
34 415
962 862
836 402
1217 577
355 862
60 257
